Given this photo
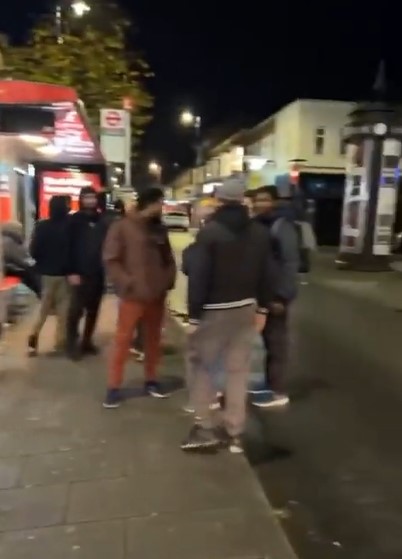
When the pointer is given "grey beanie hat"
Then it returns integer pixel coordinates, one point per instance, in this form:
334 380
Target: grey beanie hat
232 189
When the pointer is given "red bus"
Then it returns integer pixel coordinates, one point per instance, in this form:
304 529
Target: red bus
47 147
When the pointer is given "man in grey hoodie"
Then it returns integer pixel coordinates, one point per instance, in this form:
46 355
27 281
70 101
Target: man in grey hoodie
285 245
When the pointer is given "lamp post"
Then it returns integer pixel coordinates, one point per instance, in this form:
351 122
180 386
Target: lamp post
189 120
79 9
155 169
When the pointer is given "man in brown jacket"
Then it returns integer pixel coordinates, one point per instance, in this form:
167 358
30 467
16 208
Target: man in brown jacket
139 261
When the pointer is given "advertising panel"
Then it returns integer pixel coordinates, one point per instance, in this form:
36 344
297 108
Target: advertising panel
64 183
387 196
356 196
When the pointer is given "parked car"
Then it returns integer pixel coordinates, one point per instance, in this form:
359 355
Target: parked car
177 221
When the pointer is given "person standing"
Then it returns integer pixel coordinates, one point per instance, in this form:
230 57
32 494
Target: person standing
140 263
86 234
49 249
284 241
229 292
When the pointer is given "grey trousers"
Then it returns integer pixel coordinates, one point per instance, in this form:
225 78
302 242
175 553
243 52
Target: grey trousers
228 335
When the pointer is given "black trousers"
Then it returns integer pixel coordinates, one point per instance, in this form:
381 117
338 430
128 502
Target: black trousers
84 302
138 342
276 341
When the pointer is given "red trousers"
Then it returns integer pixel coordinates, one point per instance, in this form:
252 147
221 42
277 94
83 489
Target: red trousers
130 312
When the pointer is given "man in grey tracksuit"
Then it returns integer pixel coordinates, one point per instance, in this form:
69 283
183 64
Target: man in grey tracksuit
285 244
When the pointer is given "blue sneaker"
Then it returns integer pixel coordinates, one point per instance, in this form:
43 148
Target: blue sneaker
269 399
259 388
113 399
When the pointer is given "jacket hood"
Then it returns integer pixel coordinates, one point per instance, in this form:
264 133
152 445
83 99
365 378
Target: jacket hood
13 230
233 217
58 208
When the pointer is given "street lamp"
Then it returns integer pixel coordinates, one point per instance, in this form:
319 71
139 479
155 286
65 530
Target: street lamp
78 7
189 120
155 169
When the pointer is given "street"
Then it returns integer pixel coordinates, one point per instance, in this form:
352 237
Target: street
331 463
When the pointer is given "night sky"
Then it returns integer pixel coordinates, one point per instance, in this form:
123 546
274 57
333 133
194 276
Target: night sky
230 61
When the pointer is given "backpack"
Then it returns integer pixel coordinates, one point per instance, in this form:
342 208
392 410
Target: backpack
306 242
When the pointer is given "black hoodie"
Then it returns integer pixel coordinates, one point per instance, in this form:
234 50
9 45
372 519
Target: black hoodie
231 264
49 247
86 234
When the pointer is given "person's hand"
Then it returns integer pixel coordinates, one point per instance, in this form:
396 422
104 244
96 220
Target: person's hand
74 280
191 329
260 322
277 309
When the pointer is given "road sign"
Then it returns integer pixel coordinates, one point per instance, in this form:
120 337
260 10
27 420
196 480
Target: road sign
113 121
116 138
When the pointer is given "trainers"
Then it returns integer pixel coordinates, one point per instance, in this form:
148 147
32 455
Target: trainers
74 353
139 355
200 440
233 444
236 445
88 348
270 400
33 346
258 388
113 399
155 390
188 408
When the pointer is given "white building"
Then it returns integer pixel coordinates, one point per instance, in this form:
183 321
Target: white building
305 136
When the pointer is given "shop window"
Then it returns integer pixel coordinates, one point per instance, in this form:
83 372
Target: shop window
342 144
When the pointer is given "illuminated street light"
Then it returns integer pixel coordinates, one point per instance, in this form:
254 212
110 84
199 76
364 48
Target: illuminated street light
80 8
155 169
189 119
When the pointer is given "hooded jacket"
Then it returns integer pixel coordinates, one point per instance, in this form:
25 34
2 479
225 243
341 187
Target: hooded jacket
86 234
231 264
15 254
284 242
139 259
49 244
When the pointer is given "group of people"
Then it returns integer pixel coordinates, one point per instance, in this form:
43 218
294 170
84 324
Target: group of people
243 272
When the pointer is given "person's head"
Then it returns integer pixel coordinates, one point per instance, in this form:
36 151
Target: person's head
231 191
265 199
150 203
58 208
88 199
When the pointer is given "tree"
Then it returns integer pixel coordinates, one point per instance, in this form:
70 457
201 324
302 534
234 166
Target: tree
93 59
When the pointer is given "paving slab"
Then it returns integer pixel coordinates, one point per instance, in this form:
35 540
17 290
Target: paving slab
80 481
103 540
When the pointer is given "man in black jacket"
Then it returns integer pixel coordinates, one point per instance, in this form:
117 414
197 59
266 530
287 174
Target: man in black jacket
279 223
86 233
229 292
49 249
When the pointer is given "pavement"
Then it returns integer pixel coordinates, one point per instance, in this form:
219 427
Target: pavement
384 288
77 481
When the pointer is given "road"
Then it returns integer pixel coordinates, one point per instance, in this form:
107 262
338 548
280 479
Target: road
332 462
